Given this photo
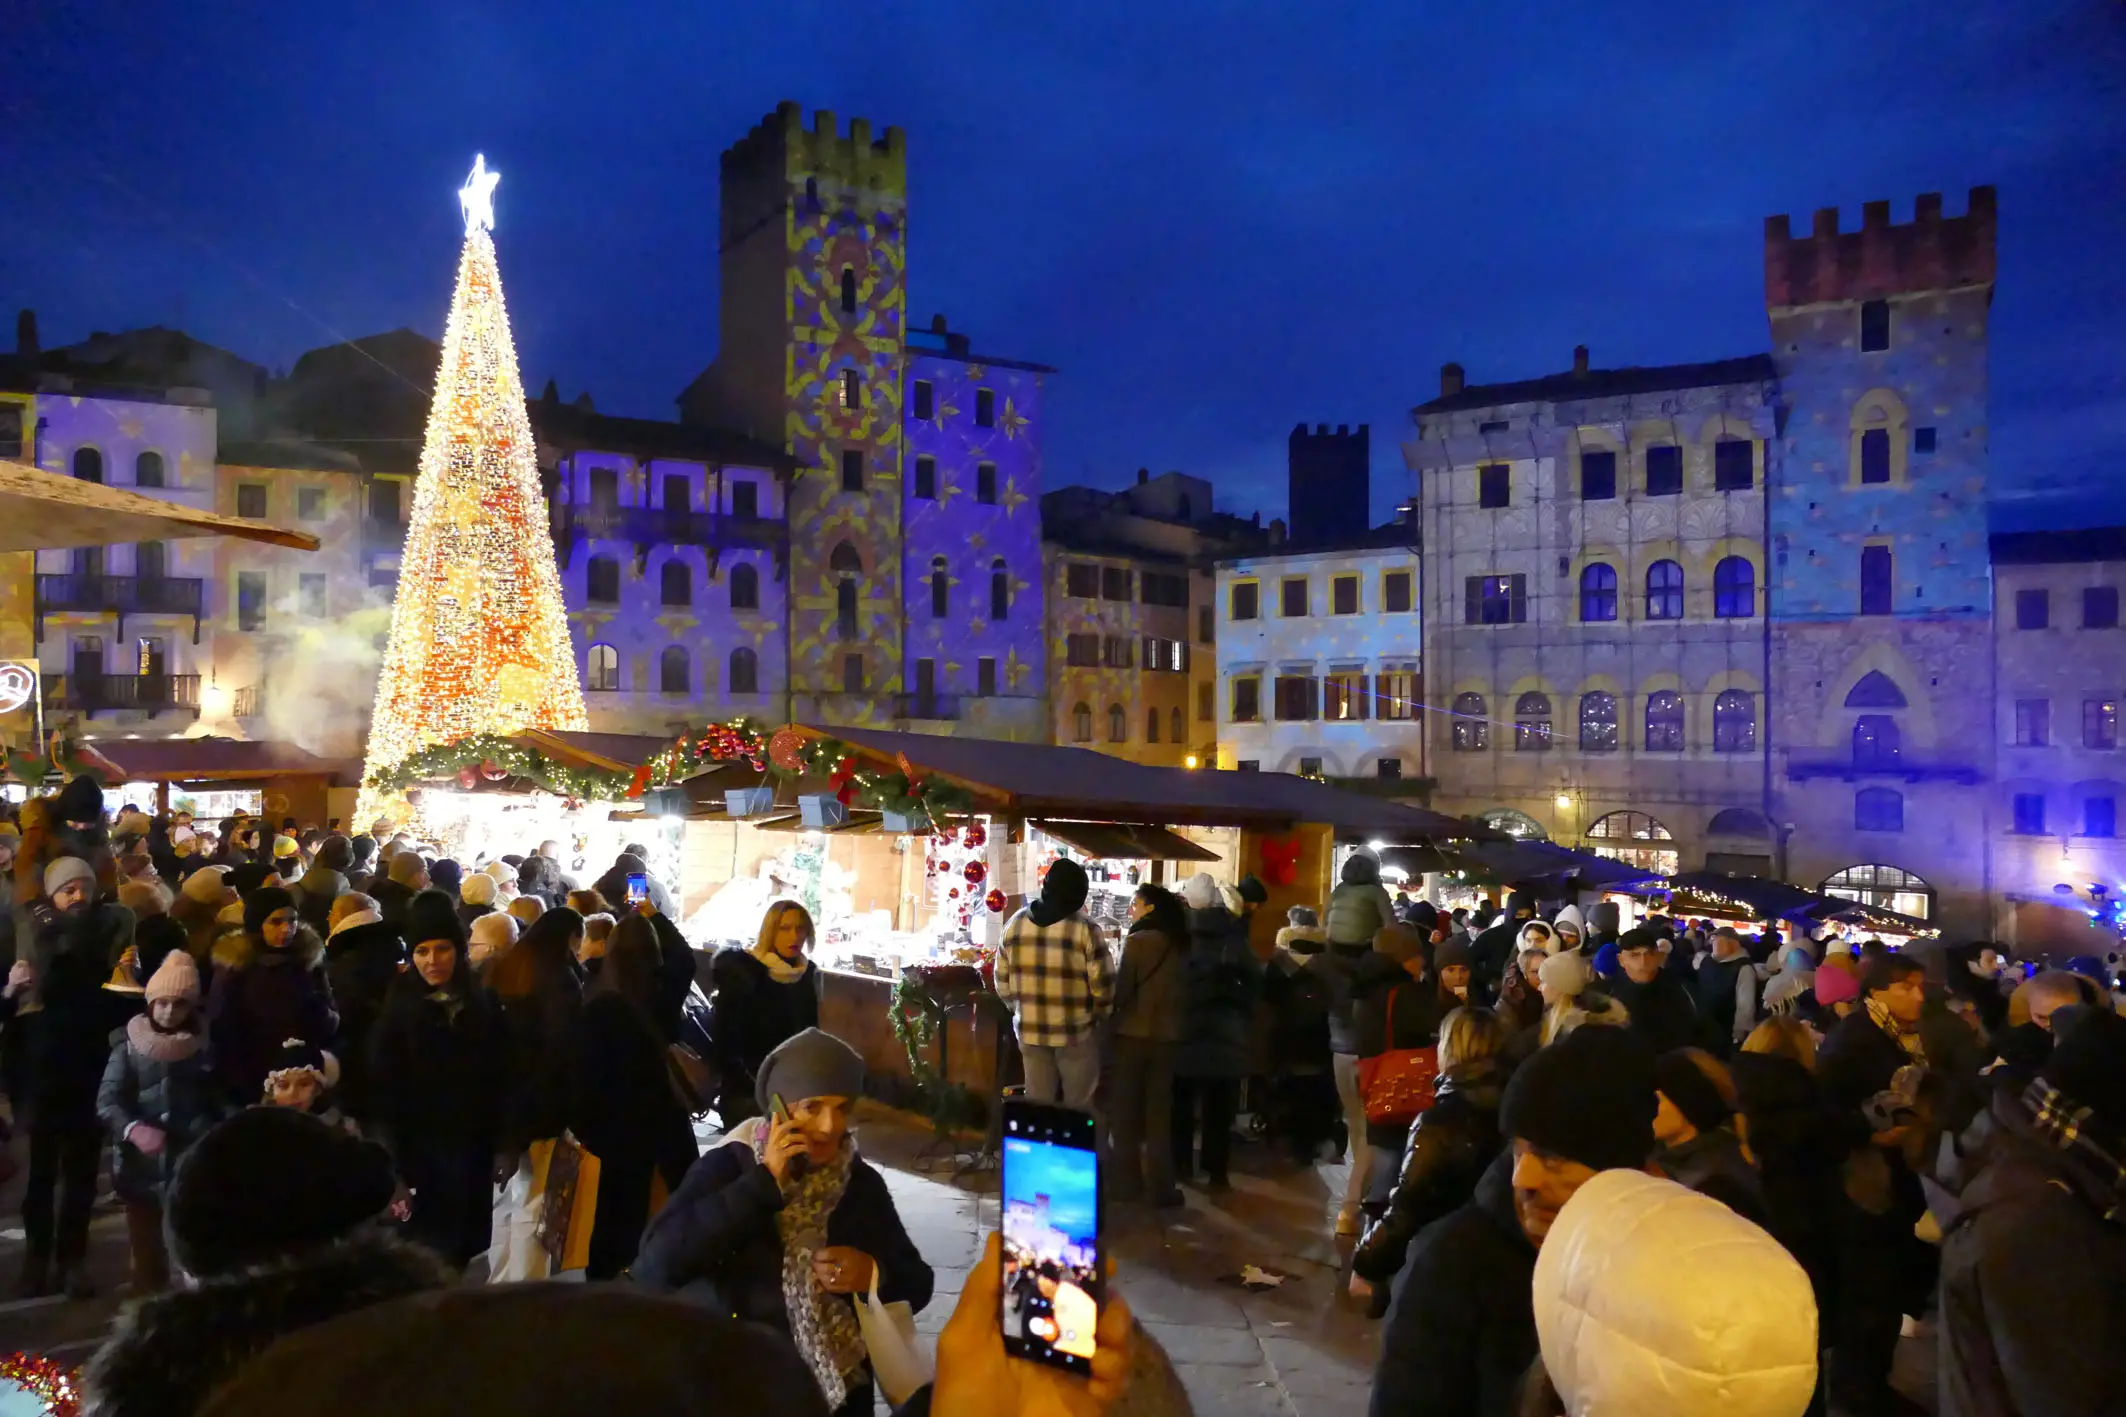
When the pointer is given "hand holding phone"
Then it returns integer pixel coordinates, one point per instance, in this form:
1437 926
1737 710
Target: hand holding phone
977 1378
1052 1274
638 887
784 1155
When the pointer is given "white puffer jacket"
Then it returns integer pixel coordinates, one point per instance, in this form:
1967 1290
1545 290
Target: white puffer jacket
1654 1301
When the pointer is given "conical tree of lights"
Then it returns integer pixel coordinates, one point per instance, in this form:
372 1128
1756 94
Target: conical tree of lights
479 637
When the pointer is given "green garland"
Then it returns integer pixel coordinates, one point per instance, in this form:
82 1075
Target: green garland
889 790
916 1020
449 759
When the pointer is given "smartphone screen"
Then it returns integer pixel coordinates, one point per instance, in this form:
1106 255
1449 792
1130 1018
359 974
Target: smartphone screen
638 888
1052 1282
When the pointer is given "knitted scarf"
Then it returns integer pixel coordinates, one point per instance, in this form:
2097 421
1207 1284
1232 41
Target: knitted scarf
1907 1039
822 1325
781 970
2063 1122
162 1045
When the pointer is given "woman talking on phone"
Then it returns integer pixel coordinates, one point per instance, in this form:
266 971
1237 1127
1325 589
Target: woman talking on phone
763 997
785 1225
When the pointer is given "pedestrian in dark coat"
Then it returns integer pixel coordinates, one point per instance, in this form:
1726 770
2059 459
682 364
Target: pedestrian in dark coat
1662 1010
1799 1148
1299 994
437 1085
1395 1006
2033 1262
625 1111
1224 978
763 997
1150 1014
363 957
751 1214
159 1096
1493 948
275 990
324 882
1697 1146
540 998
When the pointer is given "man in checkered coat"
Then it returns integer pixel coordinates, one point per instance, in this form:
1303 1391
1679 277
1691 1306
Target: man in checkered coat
1056 976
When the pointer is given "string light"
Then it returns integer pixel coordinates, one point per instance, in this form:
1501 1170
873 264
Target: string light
479 636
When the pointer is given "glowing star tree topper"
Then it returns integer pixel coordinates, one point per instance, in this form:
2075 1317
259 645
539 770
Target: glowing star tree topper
479 637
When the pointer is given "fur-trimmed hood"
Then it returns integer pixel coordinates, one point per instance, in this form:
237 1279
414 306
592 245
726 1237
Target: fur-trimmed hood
236 948
167 1355
1303 939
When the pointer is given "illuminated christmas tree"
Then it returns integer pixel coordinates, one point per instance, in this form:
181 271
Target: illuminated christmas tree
479 638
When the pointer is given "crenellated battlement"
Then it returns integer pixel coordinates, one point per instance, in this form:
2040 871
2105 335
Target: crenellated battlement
781 144
1320 436
1931 252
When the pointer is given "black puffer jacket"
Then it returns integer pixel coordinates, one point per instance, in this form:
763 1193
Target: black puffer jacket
1449 1147
1224 979
66 1042
182 1098
1384 994
169 1354
751 1014
361 962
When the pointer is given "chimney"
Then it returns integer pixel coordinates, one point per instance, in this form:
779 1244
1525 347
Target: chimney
1450 380
1579 361
1144 475
1277 531
552 394
937 324
26 335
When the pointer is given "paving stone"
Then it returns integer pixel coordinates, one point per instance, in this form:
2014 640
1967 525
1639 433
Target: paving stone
1220 1391
1198 1344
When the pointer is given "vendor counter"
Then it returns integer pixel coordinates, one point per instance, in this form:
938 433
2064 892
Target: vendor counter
858 1009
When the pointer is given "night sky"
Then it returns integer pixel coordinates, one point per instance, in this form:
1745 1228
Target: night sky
1215 220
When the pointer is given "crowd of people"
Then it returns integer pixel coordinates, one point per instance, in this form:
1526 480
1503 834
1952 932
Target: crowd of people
1884 1138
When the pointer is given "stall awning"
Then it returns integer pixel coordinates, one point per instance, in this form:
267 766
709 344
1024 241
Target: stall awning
1719 893
1873 917
1125 841
211 759
47 511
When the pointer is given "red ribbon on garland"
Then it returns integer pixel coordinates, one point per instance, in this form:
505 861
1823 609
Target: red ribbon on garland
1280 861
843 780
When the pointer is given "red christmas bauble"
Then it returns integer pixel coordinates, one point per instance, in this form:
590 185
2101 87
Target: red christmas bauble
995 901
786 749
975 873
493 771
953 894
974 836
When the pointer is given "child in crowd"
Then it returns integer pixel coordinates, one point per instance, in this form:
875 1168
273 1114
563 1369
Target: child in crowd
306 1078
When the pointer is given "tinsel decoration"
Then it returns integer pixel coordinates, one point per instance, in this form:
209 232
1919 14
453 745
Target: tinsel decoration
786 750
51 1383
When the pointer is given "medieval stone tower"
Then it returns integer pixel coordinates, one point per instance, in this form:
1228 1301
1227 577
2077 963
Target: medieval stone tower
813 254
1880 596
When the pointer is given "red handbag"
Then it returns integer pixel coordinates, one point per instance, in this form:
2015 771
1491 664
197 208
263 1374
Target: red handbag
1399 1083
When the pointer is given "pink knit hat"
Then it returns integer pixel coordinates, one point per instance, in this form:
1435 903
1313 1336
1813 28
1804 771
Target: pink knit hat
1836 986
175 978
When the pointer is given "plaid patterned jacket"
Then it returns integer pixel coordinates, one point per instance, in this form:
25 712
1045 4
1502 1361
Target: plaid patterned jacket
1058 979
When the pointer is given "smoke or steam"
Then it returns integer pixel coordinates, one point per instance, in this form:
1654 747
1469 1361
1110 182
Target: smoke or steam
317 683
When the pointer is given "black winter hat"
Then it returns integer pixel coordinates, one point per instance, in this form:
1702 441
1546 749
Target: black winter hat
263 902
250 876
1589 1097
270 1182
1063 892
336 853
1678 1077
432 915
1424 915
1251 889
446 875
2088 1063
1518 904
81 800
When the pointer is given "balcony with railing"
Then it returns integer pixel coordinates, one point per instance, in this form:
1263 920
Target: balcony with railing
145 693
658 526
77 592
1887 766
936 707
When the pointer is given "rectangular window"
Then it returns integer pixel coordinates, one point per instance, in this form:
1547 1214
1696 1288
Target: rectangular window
2029 814
384 500
1292 597
1734 465
310 504
1164 588
2033 609
1388 769
1875 455
1081 581
852 469
1114 583
1206 703
1310 767
1598 476
1922 440
1296 698
1395 592
1343 595
1876 586
2100 816
2033 723
1395 693
1874 325
678 496
1118 652
2100 607
250 600
251 499
1247 699
2100 723
985 408
985 483
922 400
11 431
985 676
926 478
311 587
1206 625
1494 485
745 500
1082 651
1166 656
1495 600
852 674
1248 765
1343 695
1664 471
1246 600
852 391
601 581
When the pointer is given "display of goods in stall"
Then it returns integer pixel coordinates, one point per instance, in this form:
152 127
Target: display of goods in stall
749 801
821 809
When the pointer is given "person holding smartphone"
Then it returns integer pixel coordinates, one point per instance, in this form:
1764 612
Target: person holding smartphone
785 1225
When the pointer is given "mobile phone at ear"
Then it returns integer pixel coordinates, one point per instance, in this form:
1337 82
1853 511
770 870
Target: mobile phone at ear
779 1111
1054 1280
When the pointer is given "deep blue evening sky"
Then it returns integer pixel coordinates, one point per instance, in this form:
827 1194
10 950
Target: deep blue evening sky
1216 220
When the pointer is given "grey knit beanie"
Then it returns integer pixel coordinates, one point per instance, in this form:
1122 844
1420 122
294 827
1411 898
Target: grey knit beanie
809 1064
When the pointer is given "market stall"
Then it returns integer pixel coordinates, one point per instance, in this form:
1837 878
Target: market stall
214 778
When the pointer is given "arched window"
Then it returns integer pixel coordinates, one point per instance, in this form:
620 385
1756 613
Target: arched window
1741 822
1598 593
602 669
1117 725
745 588
1531 723
843 560
1635 839
1735 722
1734 588
1081 724
1885 888
677 583
940 588
88 465
1664 591
1174 731
1664 721
1875 741
848 290
1878 809
1875 690
999 590
147 470
601 581
744 677
1627 826
846 566
1472 724
1151 725
1598 722
675 672
1518 825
